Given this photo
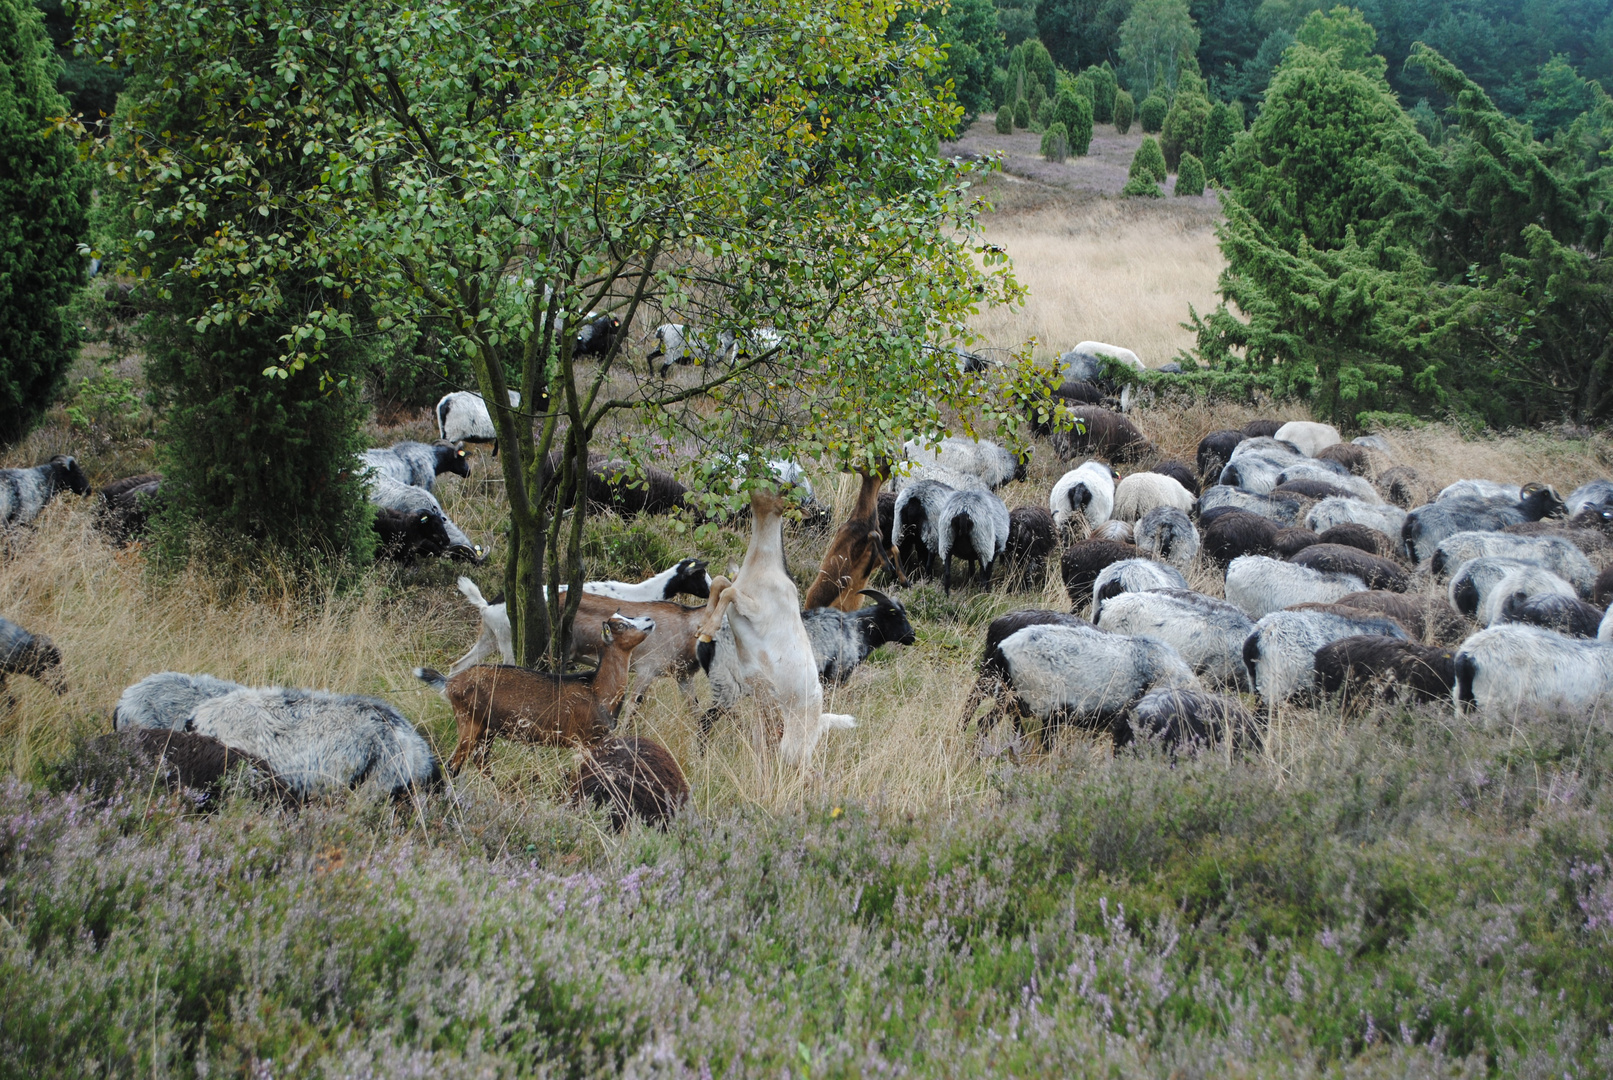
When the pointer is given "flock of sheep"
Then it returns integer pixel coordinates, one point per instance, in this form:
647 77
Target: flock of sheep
1327 548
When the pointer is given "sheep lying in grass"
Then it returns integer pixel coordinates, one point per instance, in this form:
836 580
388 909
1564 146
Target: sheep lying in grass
1510 670
462 417
1185 719
389 494
24 492
35 655
1208 633
418 463
635 778
167 700
178 760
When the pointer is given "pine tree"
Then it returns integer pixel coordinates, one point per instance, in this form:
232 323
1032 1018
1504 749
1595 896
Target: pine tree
1056 143
1151 114
1103 93
1074 111
1124 109
1183 130
1220 128
1147 170
1190 176
1005 121
43 215
1022 113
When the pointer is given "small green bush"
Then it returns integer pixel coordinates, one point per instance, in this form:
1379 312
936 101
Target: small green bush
1190 176
1056 143
1044 115
1075 112
1022 113
1103 94
1005 121
1148 163
1123 110
1220 129
1145 186
1152 114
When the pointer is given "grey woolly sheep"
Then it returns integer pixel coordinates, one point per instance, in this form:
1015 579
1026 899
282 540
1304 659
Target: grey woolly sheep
1208 633
418 463
918 517
1553 552
1282 511
24 492
35 655
1141 492
1280 652
167 700
1388 520
1428 526
1185 718
1257 463
1167 534
1481 489
1520 584
462 417
1261 585
1512 669
1597 493
973 526
1333 476
1476 579
1133 575
406 498
992 464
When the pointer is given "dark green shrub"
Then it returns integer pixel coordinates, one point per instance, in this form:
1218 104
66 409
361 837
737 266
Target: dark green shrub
1222 126
1022 113
1044 115
1075 113
1103 93
1056 143
1152 114
44 194
1005 121
1190 176
999 88
1183 130
1036 97
1148 162
1082 84
1124 108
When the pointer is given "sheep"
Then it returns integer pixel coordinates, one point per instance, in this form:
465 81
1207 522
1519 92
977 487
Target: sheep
1181 474
1283 511
626 488
1119 531
770 640
1208 633
1031 539
973 526
1089 360
1481 489
858 549
389 494
1424 617
1308 436
178 760
1184 718
1082 563
1373 442
1133 575
1308 489
126 505
886 511
1042 412
1262 429
994 465
1141 492
316 741
635 778
1521 584
1339 559
596 337
1427 526
406 536
418 463
167 700
536 707
1386 667
1230 535
1257 463
1564 614
1073 674
1597 493
1389 520
1602 590
1165 533
1588 531
1088 490
1552 552
1604 632
675 343
842 640
24 492
1351 456
1329 480
1215 450
1360 537
918 516
34 655
1098 431
462 417
1475 579
1004 626
686 577
1261 585
1512 669
1402 486
1280 652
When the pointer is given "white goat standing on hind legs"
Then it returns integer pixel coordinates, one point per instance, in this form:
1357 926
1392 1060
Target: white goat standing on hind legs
763 610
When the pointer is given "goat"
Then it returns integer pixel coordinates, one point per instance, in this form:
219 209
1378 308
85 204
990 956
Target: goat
1176 718
973 526
1385 667
537 707
35 655
1208 633
1338 559
418 463
462 417
24 492
858 549
635 778
1308 436
126 505
770 640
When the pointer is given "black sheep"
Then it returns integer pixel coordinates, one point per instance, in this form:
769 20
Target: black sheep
1352 457
1263 429
1031 539
635 778
1291 541
1425 617
1564 614
1378 665
611 487
1231 533
1179 472
1378 573
1215 450
596 338
1602 591
1310 489
887 518
1071 392
1083 562
1178 719
1584 532
408 535
125 508
179 760
1364 537
1102 433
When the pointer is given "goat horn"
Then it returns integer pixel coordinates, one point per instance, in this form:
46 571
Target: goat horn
879 597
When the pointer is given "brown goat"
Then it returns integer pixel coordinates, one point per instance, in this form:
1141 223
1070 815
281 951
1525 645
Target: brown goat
536 707
858 549
670 652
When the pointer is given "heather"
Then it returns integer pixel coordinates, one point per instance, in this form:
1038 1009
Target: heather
1406 896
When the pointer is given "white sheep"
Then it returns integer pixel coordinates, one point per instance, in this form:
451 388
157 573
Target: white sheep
1132 575
973 526
1089 490
1208 633
167 700
1260 585
1513 668
1340 511
462 417
1167 534
994 465
1141 492
1481 489
417 463
1555 553
1280 652
1308 436
763 609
